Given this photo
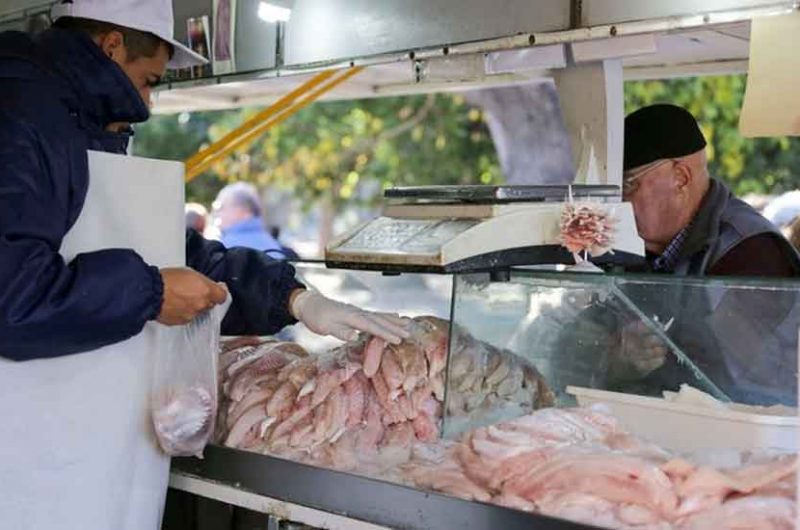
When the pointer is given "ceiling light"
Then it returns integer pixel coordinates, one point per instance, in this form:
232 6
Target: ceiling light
272 13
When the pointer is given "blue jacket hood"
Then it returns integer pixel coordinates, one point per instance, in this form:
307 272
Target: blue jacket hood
88 82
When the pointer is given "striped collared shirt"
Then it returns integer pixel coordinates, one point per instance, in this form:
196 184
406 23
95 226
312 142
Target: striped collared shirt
669 258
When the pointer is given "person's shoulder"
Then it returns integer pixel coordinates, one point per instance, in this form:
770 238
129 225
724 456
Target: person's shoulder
765 254
21 58
765 242
16 43
745 220
265 242
15 132
36 123
26 77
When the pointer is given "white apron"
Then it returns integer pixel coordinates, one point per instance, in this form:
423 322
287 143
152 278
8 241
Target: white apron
77 449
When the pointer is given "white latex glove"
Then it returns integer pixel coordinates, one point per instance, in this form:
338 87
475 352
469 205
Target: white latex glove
329 317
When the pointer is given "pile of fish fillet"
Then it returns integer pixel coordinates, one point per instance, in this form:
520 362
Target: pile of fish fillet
375 409
579 464
364 404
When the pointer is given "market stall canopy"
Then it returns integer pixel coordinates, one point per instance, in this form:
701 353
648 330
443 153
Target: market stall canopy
718 50
262 49
414 47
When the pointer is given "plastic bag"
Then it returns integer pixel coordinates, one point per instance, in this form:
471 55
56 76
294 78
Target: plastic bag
184 398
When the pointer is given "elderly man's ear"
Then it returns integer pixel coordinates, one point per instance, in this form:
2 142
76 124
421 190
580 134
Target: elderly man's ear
682 176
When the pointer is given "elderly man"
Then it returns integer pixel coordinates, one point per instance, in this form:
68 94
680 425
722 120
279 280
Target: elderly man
239 218
742 340
691 223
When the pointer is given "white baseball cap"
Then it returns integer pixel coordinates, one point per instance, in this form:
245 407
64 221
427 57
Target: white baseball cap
152 16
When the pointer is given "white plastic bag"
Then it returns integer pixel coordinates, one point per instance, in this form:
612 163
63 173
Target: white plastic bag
184 398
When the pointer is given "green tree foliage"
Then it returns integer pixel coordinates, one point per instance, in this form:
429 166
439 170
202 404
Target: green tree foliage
344 151
761 165
348 150
177 137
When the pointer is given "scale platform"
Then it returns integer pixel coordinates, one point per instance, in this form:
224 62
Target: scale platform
451 229
496 194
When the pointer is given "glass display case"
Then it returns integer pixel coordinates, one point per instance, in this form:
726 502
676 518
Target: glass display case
733 338
324 429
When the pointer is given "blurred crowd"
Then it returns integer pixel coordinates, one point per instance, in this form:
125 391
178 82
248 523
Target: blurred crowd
783 211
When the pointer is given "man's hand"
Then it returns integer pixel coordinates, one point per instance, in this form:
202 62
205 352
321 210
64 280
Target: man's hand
640 352
187 294
328 317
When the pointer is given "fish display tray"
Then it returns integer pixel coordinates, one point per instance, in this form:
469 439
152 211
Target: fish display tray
691 427
360 498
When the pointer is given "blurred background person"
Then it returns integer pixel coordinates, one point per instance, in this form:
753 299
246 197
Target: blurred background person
275 231
239 216
792 232
196 217
783 209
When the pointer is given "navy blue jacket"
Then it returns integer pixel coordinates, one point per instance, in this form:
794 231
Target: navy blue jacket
57 95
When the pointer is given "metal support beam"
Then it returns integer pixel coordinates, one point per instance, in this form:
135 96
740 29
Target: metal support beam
575 13
324 498
276 113
592 105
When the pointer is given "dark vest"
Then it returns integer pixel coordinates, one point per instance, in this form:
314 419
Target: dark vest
723 222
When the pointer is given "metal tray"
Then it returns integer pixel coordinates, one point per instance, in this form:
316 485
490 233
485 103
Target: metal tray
357 497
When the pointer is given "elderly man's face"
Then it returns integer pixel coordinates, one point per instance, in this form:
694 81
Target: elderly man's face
227 213
658 195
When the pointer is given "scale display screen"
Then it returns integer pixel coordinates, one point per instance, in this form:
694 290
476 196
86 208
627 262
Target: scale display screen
405 236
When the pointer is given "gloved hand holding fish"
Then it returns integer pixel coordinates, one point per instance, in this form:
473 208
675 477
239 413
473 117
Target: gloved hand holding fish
329 317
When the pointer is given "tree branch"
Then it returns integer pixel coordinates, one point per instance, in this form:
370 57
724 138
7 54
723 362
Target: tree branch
368 144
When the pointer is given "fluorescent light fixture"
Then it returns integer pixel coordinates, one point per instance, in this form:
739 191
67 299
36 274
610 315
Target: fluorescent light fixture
272 13
526 59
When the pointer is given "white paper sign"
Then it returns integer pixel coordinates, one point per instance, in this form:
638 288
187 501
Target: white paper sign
772 101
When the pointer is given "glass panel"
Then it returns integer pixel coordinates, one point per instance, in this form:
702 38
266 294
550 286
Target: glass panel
735 339
515 346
